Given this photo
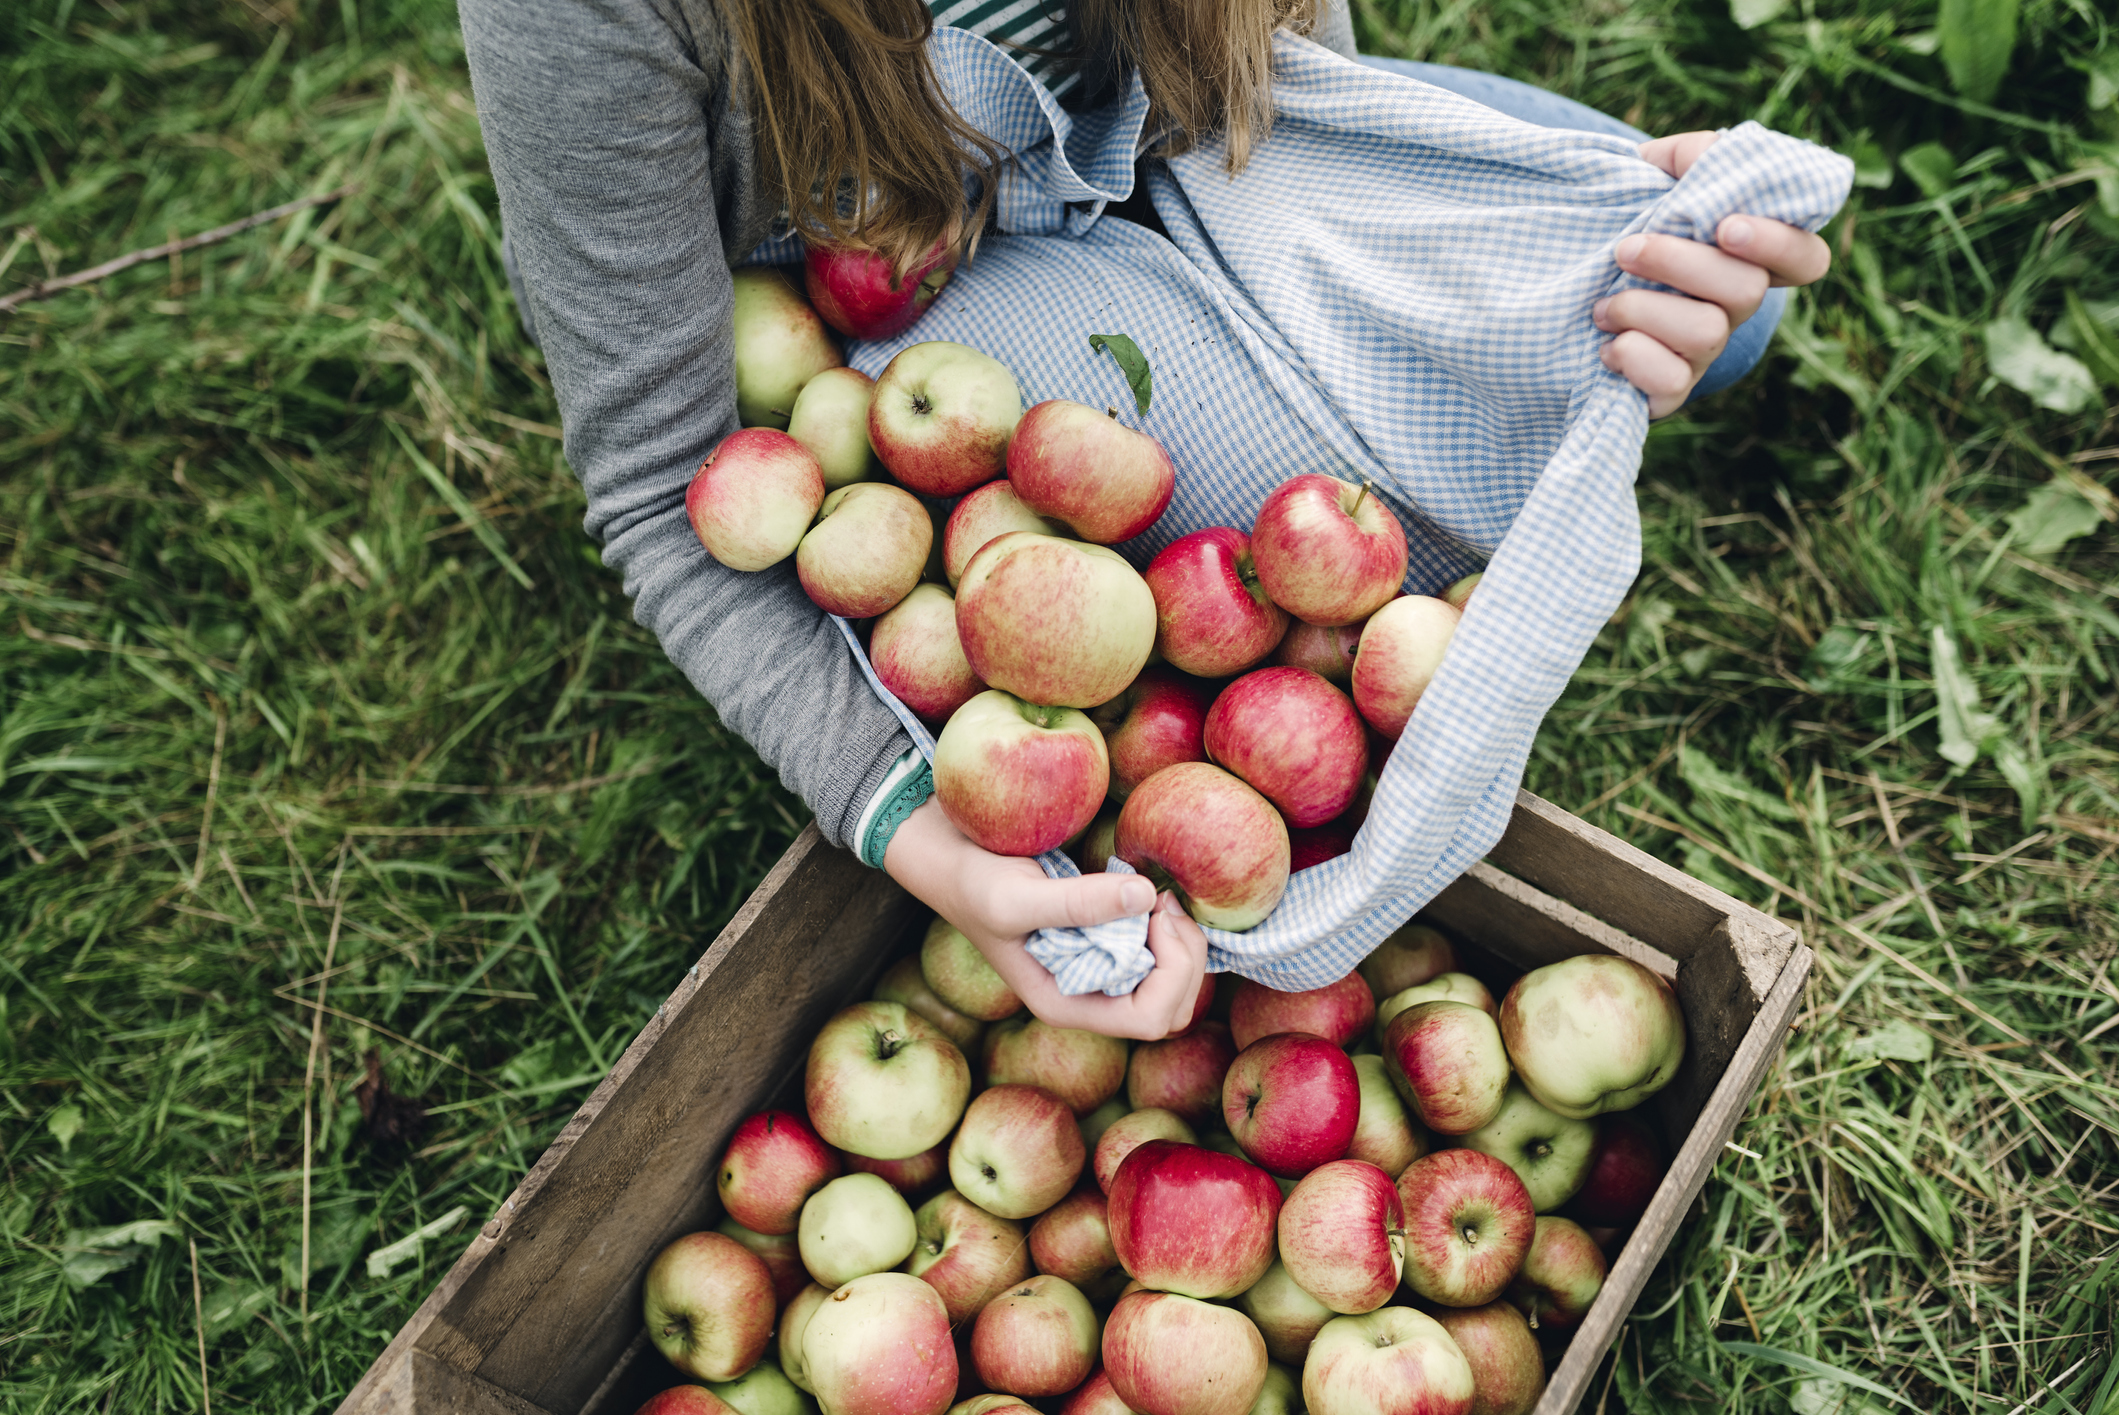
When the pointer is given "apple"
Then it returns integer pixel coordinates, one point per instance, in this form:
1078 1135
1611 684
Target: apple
1625 1169
794 1323
1185 1219
1384 1135
1183 1073
853 1226
752 499
1407 959
1212 617
864 295
764 1390
708 1306
991 510
942 417
1286 1316
1468 1223
1084 1069
965 1253
830 418
1549 1153
1204 1005
1592 1033
1072 1239
903 982
882 1081
1313 845
1169 1354
865 551
1447 1062
1221 846
686 1400
780 1252
1443 987
1159 720
1395 1361
914 650
1016 776
1092 850
772 1164
1401 648
1327 652
1460 591
1328 552
1097 1121
1560 1276
1086 469
1017 1152
1342 1235
1133 1130
1054 621
780 345
1294 737
1292 1101
1339 1012
1281 1394
1508 1370
990 1404
1038 1338
880 1345
961 976
1095 1397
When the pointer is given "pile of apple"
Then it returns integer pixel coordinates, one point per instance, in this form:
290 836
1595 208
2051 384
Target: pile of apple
1240 1219
973 534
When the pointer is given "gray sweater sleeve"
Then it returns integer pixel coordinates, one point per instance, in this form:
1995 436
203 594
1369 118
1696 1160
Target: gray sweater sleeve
626 183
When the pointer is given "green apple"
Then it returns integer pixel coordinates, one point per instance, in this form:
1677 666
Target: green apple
830 418
853 1226
764 1390
1549 1153
961 976
1280 1395
781 345
1592 1034
1384 1135
1444 987
793 1322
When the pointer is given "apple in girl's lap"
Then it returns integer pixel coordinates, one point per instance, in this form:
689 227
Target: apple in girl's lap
1054 621
861 294
992 510
1083 467
780 345
866 550
915 651
942 417
1018 777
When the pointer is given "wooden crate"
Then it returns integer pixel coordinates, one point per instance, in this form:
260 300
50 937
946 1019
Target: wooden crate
541 1314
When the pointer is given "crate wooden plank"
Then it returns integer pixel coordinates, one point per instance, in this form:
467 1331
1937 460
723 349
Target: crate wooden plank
431 1386
1529 927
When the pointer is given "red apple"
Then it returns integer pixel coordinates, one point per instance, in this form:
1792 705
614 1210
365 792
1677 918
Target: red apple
1017 1152
1130 1131
1088 470
1292 1101
1159 720
965 1253
915 651
1468 1223
1053 620
1443 987
1401 649
780 344
1460 591
1406 959
830 418
1391 1362
992 510
781 1253
961 976
1326 652
942 417
1220 845
1560 1276
1294 737
1341 1235
880 1345
1072 1239
773 1163
903 982
1592 1033
1508 1370
883 1082
1328 552
1185 1219
752 499
1625 1170
1385 1135
1211 616
1084 1069
1286 1316
708 1305
1169 1354
1182 1073
1037 1338
686 1400
1447 1062
1016 776
1339 1012
864 296
1315 844
1095 1397
865 551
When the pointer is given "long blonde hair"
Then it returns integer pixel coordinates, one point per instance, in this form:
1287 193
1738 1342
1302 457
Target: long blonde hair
857 143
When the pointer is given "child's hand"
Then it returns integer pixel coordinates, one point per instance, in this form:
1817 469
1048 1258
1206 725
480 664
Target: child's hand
999 900
1665 342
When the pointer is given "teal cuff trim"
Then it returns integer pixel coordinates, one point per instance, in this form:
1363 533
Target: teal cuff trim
911 794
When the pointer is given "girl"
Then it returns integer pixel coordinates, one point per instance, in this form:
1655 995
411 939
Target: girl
642 147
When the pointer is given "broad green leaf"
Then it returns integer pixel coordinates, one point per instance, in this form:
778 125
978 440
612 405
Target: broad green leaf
1931 167
1965 728
93 1254
1894 1041
65 1123
1698 771
2058 512
1131 361
1837 655
2020 357
1977 37
2103 70
1750 14
1872 165
2096 345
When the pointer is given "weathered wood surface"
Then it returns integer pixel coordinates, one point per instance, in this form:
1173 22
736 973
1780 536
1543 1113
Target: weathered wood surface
418 1381
1529 927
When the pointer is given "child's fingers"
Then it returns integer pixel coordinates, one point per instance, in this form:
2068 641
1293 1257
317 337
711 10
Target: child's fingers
1696 269
1791 255
1695 330
1023 905
1652 367
1167 994
1676 153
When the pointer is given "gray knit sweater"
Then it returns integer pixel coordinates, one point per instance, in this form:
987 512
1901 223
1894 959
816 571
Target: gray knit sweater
627 183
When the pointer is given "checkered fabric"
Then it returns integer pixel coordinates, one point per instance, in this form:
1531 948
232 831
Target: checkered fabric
1397 288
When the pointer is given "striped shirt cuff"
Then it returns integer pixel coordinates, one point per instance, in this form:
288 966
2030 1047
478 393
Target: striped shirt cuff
905 789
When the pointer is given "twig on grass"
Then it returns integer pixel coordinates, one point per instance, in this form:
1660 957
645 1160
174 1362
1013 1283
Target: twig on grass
316 1041
44 289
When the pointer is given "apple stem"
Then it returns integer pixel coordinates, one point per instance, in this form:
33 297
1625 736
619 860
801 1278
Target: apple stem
888 1044
1366 487
1110 412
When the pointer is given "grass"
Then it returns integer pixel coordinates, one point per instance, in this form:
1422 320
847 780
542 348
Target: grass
298 768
